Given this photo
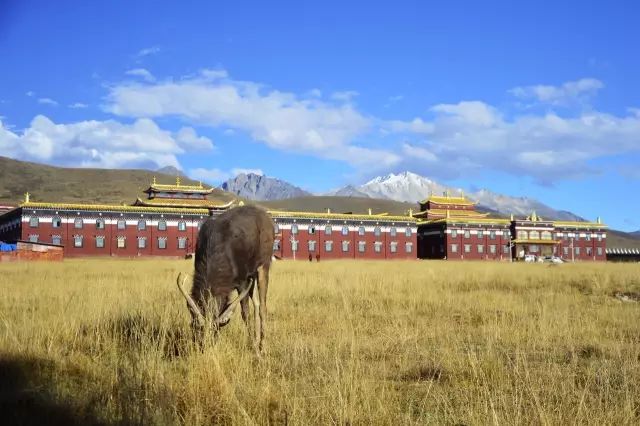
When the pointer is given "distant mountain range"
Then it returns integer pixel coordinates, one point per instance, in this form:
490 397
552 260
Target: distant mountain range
405 187
411 187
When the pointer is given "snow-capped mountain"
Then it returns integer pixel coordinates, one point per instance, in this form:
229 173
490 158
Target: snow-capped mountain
411 187
405 186
262 188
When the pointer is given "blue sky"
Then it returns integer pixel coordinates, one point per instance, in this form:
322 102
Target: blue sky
539 99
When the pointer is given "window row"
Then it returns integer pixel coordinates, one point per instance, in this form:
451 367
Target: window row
577 251
328 230
121 242
121 224
577 237
535 235
480 248
480 233
362 246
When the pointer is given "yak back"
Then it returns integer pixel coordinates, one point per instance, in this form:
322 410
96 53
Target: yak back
230 248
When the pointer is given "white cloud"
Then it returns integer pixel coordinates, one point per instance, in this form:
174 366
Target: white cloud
47 101
212 176
567 94
189 139
236 172
472 137
30 93
344 96
417 125
463 138
281 120
107 144
148 51
78 105
216 176
316 93
142 73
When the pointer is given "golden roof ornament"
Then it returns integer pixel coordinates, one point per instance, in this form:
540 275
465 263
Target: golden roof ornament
369 211
599 220
512 217
534 216
200 183
241 203
26 197
410 212
154 181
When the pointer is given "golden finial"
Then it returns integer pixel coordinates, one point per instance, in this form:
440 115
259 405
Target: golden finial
200 183
410 212
328 211
369 211
446 193
177 180
534 216
511 216
26 197
599 220
154 180
241 203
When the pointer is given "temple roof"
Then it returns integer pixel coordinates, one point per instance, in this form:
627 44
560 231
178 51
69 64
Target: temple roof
450 213
363 216
182 202
112 207
178 187
447 199
468 220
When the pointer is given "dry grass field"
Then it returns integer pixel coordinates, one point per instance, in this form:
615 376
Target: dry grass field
108 342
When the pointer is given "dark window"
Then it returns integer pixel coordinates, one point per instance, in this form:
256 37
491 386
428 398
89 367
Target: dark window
345 230
78 225
377 231
77 241
34 221
162 225
393 231
142 225
99 242
122 224
182 226
56 240
162 243
57 222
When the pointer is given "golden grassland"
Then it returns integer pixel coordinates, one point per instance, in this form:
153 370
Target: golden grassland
108 341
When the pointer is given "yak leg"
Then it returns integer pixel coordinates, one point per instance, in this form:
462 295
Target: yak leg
261 308
256 308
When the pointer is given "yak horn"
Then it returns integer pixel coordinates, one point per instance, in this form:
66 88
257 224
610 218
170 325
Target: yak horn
223 317
190 303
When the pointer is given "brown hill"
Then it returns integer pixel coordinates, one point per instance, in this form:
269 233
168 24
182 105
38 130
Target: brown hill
77 185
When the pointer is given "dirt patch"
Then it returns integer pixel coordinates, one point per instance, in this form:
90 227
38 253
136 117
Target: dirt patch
426 373
627 296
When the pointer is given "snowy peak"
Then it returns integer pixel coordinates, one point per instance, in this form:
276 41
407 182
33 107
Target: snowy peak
405 186
411 187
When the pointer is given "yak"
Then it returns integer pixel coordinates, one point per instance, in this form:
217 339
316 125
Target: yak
233 252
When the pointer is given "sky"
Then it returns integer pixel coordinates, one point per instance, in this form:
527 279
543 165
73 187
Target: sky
537 99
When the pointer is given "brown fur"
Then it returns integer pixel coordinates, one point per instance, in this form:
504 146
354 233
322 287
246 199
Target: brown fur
233 251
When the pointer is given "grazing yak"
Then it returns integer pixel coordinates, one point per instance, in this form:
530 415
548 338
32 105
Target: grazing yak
233 252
